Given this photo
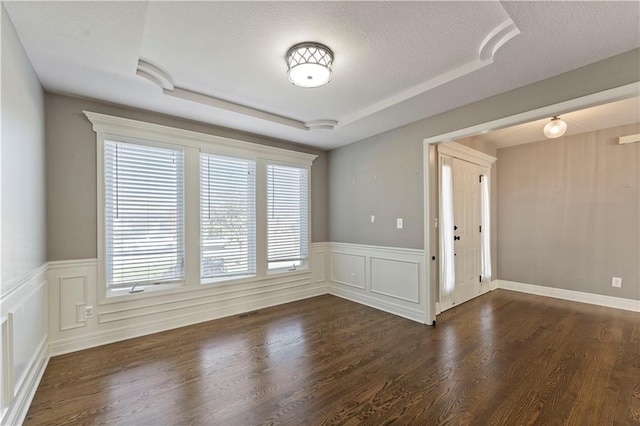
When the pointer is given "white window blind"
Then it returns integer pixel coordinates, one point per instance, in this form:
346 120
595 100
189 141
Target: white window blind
287 216
227 217
144 203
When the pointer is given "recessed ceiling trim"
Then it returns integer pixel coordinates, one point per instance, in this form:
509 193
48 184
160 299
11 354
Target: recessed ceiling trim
233 107
496 39
488 48
321 124
146 70
165 83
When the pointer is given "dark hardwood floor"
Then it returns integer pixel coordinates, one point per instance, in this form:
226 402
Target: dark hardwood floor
504 358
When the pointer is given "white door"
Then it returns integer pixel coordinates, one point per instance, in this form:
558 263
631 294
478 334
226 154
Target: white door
466 218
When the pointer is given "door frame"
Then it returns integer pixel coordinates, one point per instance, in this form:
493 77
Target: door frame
464 153
606 96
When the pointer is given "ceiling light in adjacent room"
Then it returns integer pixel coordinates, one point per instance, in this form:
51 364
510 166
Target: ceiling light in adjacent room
555 128
309 64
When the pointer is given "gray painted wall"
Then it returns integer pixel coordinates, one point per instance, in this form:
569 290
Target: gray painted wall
383 177
569 213
398 154
71 172
22 162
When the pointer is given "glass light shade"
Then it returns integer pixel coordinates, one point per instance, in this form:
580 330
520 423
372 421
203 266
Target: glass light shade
309 64
555 128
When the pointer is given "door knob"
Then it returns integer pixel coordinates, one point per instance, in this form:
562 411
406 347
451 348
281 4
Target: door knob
456 238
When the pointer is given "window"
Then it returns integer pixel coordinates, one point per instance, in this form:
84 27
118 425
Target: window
143 214
227 217
287 217
186 210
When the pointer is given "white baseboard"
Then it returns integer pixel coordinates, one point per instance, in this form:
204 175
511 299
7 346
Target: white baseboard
364 299
572 295
90 340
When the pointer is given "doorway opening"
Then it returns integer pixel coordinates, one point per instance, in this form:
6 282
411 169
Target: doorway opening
486 217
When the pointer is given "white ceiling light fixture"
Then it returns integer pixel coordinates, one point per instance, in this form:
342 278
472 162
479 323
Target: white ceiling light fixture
555 128
309 64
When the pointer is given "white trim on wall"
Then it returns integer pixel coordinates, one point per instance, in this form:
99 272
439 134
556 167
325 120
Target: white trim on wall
25 306
363 274
572 295
193 144
131 317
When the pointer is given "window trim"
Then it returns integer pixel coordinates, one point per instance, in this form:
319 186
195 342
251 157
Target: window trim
193 143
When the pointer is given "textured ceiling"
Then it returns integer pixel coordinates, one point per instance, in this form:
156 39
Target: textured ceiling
600 117
395 62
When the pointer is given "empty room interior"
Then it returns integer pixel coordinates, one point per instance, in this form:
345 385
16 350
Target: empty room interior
238 213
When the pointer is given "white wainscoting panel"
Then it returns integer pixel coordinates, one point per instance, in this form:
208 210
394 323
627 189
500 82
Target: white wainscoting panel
24 344
6 366
29 332
396 278
74 284
387 278
348 269
319 262
73 291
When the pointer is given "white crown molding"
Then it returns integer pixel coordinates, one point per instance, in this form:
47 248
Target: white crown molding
488 48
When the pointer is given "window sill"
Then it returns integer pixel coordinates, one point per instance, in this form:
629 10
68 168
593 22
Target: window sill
124 293
284 271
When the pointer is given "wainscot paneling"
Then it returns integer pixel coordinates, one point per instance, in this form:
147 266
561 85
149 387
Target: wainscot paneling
348 269
24 351
387 278
73 287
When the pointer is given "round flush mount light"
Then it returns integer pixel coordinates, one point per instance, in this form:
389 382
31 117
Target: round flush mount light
555 128
309 64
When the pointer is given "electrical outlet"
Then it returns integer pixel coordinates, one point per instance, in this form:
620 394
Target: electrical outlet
88 312
399 223
353 277
616 282
373 218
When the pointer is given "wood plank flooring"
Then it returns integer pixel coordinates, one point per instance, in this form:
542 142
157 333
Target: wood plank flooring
502 359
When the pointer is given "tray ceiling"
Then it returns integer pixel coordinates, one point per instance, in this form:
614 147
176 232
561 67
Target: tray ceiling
395 62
